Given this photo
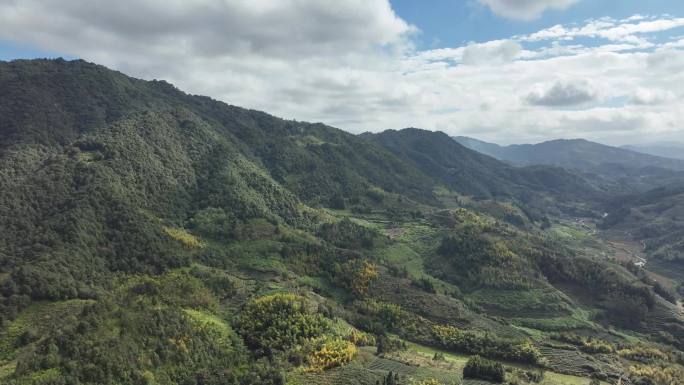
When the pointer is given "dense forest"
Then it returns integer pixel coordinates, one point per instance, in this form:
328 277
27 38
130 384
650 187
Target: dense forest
155 237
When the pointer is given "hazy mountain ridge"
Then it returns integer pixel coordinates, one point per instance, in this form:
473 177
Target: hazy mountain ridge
574 154
667 150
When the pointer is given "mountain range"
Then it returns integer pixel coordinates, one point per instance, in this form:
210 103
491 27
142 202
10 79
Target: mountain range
150 236
578 154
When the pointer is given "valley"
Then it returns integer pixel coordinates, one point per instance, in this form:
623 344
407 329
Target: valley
155 237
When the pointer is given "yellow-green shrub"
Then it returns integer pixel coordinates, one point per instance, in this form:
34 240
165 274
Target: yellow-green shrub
597 346
356 275
360 338
279 322
181 235
332 353
388 315
657 375
643 353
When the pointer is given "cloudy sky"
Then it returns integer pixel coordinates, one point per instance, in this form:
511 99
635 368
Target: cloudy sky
508 71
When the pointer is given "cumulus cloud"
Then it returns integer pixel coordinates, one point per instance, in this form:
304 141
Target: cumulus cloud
207 27
525 9
630 30
493 52
562 94
645 96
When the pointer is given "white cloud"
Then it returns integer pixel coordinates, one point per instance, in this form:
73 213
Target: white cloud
493 52
562 93
352 65
628 31
645 96
207 27
525 9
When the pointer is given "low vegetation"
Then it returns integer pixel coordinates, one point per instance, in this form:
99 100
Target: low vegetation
478 367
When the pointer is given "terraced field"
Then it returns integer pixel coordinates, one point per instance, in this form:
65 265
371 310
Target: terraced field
368 373
417 364
533 303
385 365
579 319
438 308
475 382
458 361
353 374
551 378
574 363
664 313
665 316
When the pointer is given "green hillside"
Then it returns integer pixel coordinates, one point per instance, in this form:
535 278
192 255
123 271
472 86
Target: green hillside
154 237
472 173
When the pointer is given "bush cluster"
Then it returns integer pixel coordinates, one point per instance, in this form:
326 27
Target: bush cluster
331 353
356 275
484 369
485 345
279 322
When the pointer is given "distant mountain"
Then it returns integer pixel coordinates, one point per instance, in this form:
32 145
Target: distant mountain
471 172
491 149
673 150
577 154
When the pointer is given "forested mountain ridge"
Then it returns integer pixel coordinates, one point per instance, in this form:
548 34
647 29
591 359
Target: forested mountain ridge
86 150
470 172
150 236
74 98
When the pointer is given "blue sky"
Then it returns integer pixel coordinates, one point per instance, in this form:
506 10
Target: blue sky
14 50
507 71
445 23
